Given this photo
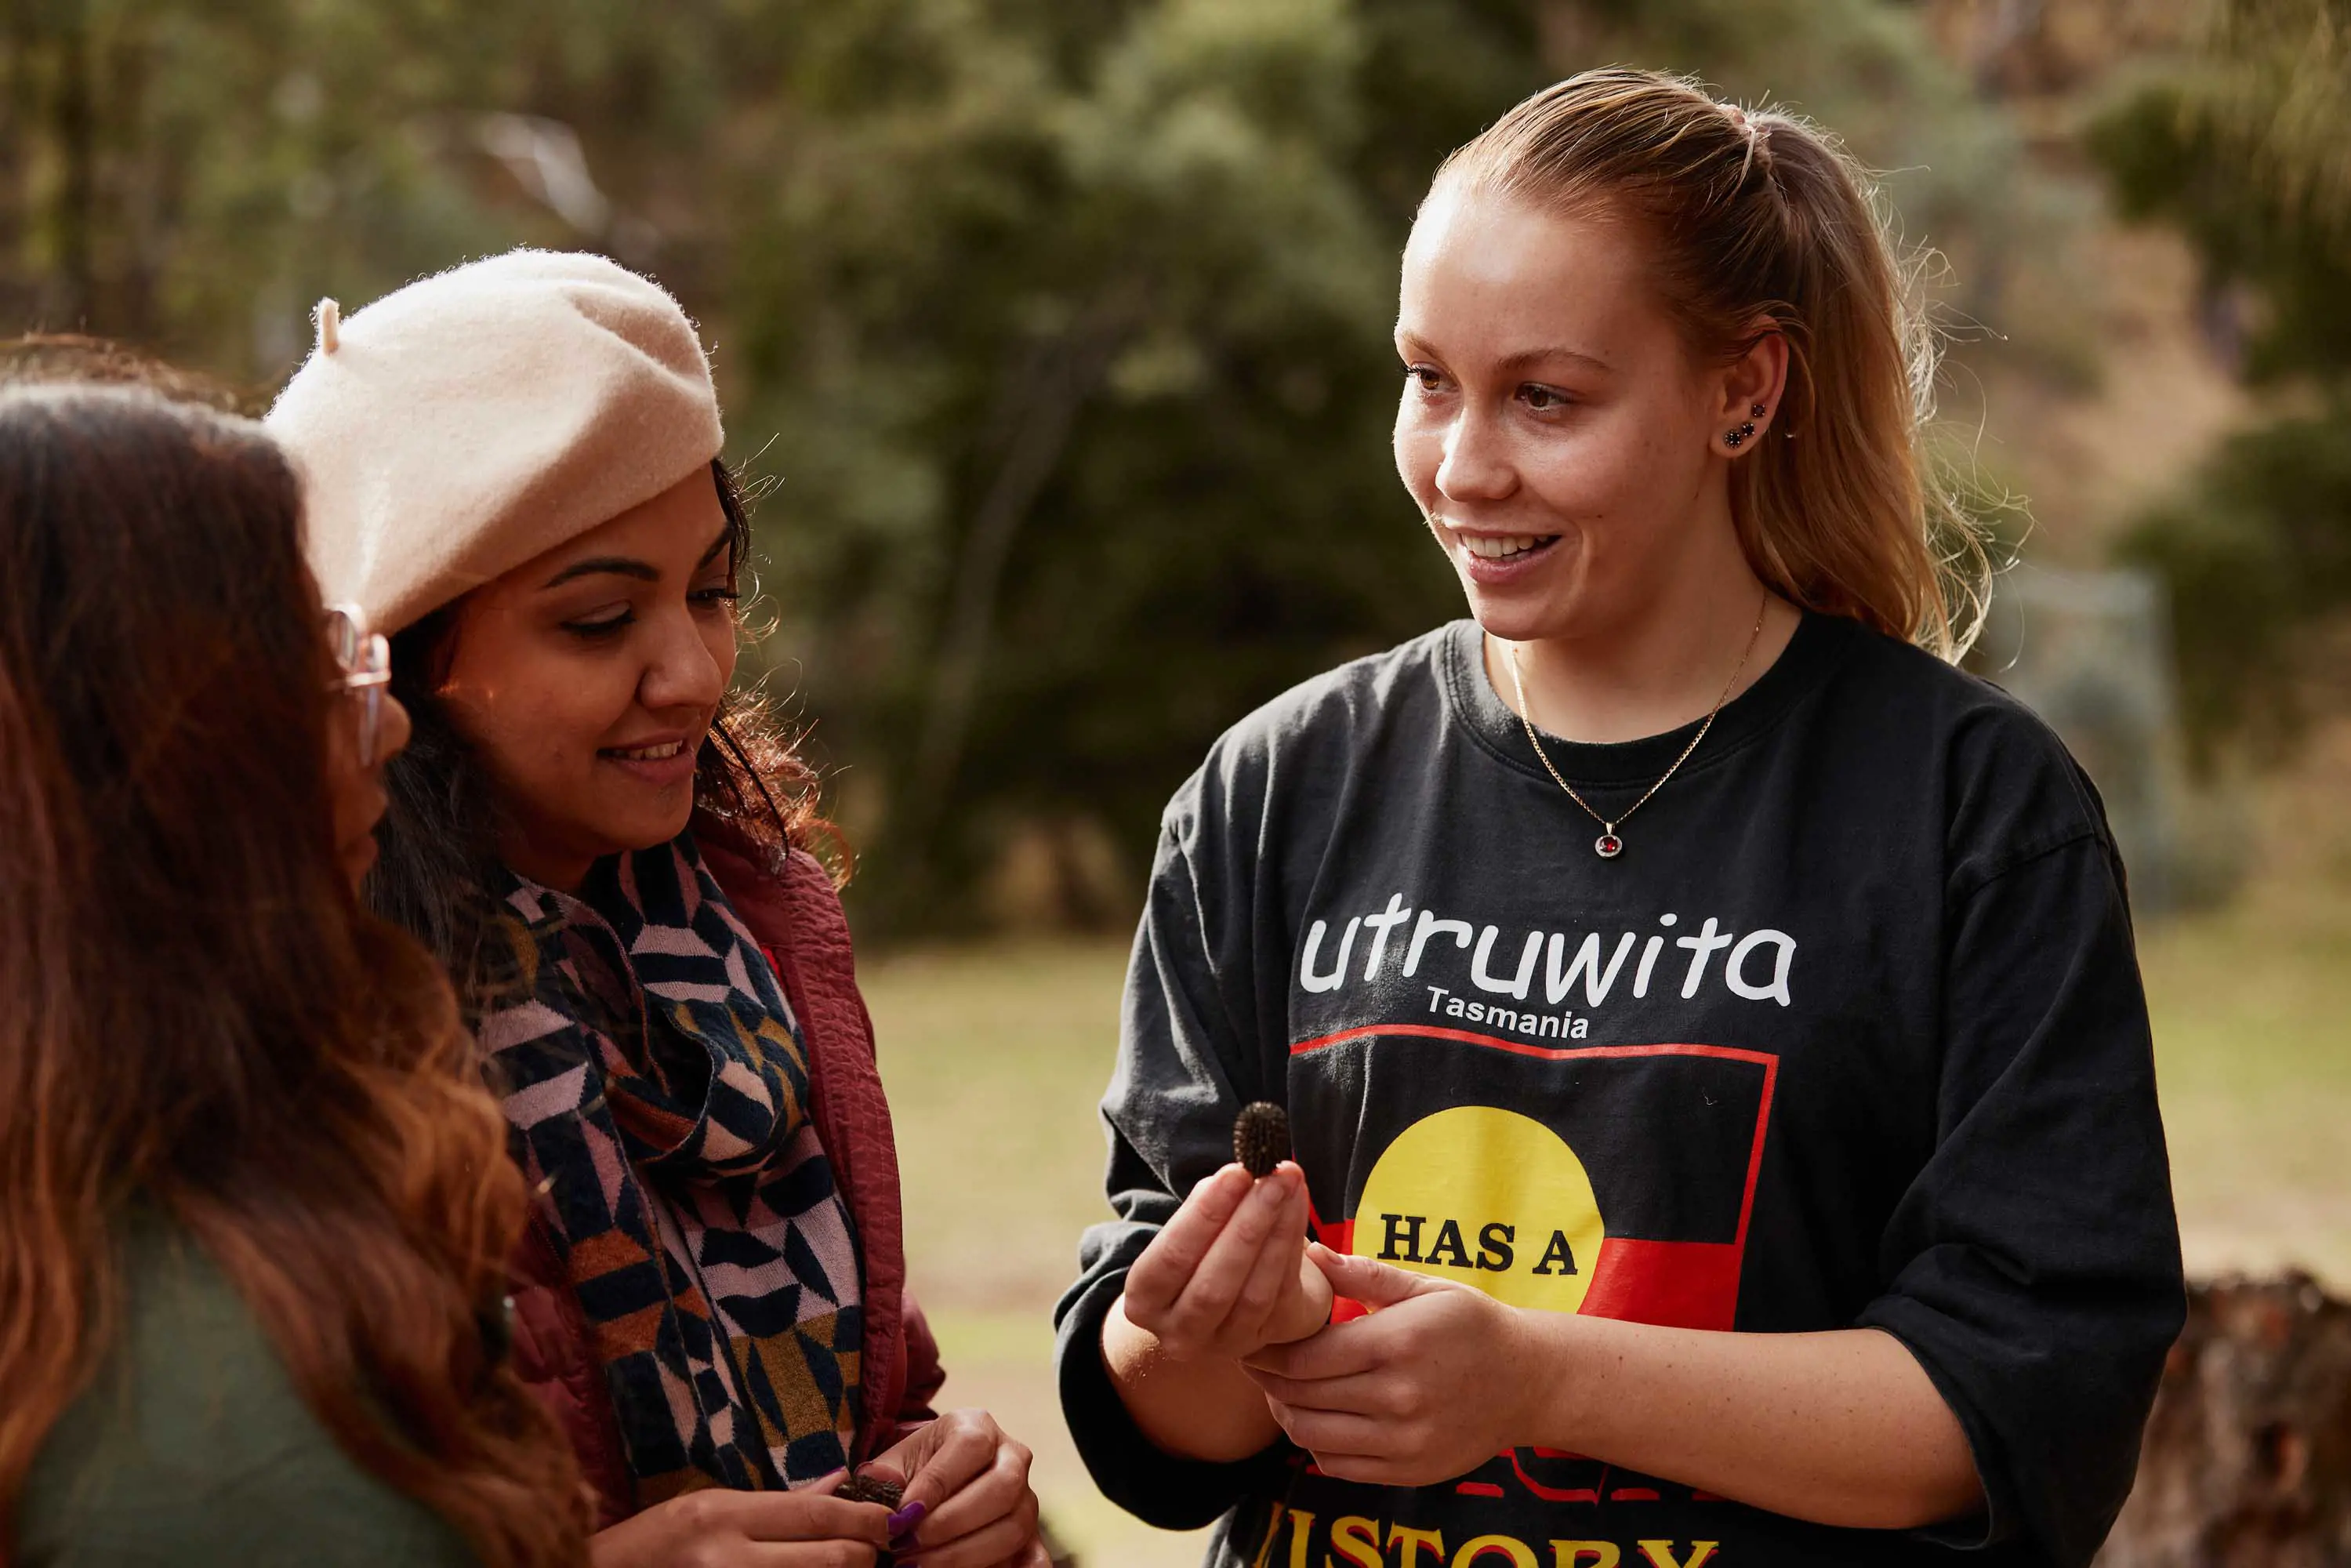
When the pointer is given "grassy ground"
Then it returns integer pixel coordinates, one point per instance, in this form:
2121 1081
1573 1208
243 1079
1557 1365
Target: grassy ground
995 1056
2252 1038
994 1059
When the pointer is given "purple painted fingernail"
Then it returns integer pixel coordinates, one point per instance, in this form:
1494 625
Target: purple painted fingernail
902 1522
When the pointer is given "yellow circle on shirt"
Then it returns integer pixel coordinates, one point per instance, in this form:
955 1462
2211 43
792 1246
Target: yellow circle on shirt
1488 1197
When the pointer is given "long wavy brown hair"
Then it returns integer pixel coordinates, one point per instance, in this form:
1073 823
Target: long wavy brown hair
1760 223
194 1013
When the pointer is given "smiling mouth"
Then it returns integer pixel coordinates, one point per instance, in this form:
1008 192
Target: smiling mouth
1504 546
660 752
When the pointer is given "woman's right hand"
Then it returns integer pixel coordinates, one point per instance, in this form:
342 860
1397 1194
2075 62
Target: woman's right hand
715 1529
1228 1275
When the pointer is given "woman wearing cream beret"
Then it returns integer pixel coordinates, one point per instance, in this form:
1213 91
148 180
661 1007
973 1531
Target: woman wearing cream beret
514 469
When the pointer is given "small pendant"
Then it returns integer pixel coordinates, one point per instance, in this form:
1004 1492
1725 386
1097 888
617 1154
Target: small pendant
1608 846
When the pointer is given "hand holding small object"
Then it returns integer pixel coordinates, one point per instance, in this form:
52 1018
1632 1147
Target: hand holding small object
715 1528
1229 1275
965 1501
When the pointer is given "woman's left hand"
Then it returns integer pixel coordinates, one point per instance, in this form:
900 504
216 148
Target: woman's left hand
970 1484
1433 1384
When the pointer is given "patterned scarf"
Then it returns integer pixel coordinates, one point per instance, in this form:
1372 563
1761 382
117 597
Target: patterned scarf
657 1085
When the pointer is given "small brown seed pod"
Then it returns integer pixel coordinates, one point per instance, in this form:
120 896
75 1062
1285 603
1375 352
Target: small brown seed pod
1261 1137
872 1489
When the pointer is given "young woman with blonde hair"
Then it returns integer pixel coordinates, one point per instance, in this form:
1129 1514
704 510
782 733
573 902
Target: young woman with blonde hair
1708 1020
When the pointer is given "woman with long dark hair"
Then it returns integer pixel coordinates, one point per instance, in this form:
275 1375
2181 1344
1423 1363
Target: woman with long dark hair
254 1217
1706 1019
514 467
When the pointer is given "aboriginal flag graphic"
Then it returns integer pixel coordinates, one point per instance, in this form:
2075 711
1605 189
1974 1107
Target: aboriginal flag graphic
1613 1180
1616 1181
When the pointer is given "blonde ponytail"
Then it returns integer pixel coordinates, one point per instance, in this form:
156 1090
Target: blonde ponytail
1762 223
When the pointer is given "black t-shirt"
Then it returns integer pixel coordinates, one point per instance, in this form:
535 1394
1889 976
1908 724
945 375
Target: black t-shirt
1851 1033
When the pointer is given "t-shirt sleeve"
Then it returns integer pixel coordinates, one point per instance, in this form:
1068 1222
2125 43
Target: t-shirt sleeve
1185 1069
2034 1263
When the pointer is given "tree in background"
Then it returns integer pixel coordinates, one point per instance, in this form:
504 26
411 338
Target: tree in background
2248 152
1082 391
1059 327
189 176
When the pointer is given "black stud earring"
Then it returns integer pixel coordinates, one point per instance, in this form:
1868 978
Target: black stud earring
1734 438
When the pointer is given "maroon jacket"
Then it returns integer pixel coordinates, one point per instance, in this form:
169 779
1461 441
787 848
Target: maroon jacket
797 922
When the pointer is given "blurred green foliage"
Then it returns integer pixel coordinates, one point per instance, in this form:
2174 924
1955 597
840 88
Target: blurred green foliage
2258 557
1060 325
2247 150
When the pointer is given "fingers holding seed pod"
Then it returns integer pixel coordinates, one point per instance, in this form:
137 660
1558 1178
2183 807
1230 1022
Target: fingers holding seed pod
1261 1137
872 1488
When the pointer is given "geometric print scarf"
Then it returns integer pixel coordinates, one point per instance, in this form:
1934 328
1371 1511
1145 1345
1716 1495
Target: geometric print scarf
656 1087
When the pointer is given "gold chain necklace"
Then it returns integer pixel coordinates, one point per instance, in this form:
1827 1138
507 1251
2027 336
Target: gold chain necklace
1608 845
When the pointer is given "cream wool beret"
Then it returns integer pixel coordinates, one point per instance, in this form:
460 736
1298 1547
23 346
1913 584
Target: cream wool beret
457 427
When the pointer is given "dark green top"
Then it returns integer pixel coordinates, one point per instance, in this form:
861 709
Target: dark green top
192 1447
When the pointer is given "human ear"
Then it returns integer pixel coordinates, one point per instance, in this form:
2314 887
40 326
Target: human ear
1751 389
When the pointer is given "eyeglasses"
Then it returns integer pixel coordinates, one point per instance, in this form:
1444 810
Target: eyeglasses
365 659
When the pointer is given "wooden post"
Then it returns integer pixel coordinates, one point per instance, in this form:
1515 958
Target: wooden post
2248 1455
